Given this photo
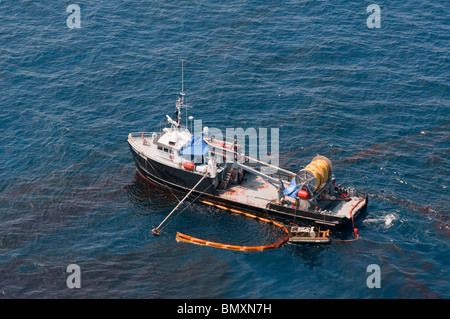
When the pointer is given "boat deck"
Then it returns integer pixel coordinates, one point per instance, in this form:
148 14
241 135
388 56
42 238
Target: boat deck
343 208
256 191
253 191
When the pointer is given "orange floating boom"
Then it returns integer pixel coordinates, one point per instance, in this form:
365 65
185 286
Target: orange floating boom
189 239
202 242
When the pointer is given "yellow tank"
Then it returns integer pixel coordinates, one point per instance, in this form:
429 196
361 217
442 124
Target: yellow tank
315 173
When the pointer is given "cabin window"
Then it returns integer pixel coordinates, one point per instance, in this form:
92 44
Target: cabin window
165 150
160 148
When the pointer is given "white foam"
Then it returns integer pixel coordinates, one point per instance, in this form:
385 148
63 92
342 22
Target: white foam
386 219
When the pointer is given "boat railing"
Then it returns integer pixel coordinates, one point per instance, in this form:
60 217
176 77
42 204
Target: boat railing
146 137
142 134
224 146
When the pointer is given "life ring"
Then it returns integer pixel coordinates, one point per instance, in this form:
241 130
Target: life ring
171 157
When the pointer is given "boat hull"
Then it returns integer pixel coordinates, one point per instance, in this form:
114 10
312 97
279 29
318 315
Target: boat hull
291 215
171 177
183 181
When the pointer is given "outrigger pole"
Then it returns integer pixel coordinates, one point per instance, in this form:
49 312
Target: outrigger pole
277 183
156 230
251 158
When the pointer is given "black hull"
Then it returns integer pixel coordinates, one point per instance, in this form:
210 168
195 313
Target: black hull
171 177
183 181
289 215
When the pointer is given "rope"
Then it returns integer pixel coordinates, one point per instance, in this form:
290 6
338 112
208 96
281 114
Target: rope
167 186
188 205
355 230
248 158
189 239
156 230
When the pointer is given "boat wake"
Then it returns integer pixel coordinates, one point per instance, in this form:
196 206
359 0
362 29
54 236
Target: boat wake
386 219
389 218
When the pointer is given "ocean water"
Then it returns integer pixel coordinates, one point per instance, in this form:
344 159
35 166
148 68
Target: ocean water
373 100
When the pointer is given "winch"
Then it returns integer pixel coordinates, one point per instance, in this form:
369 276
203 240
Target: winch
314 174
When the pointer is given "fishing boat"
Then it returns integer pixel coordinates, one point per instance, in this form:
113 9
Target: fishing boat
181 161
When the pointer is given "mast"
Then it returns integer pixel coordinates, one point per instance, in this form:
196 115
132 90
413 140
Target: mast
180 99
182 91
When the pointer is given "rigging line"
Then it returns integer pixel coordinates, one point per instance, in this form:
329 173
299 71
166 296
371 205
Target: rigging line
355 230
175 195
159 170
250 158
186 238
271 219
165 182
189 204
266 213
156 230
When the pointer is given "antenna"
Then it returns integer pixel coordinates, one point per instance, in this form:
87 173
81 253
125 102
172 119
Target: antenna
182 84
182 91
182 99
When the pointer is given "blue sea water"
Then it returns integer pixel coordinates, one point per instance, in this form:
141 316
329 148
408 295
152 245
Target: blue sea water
373 100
